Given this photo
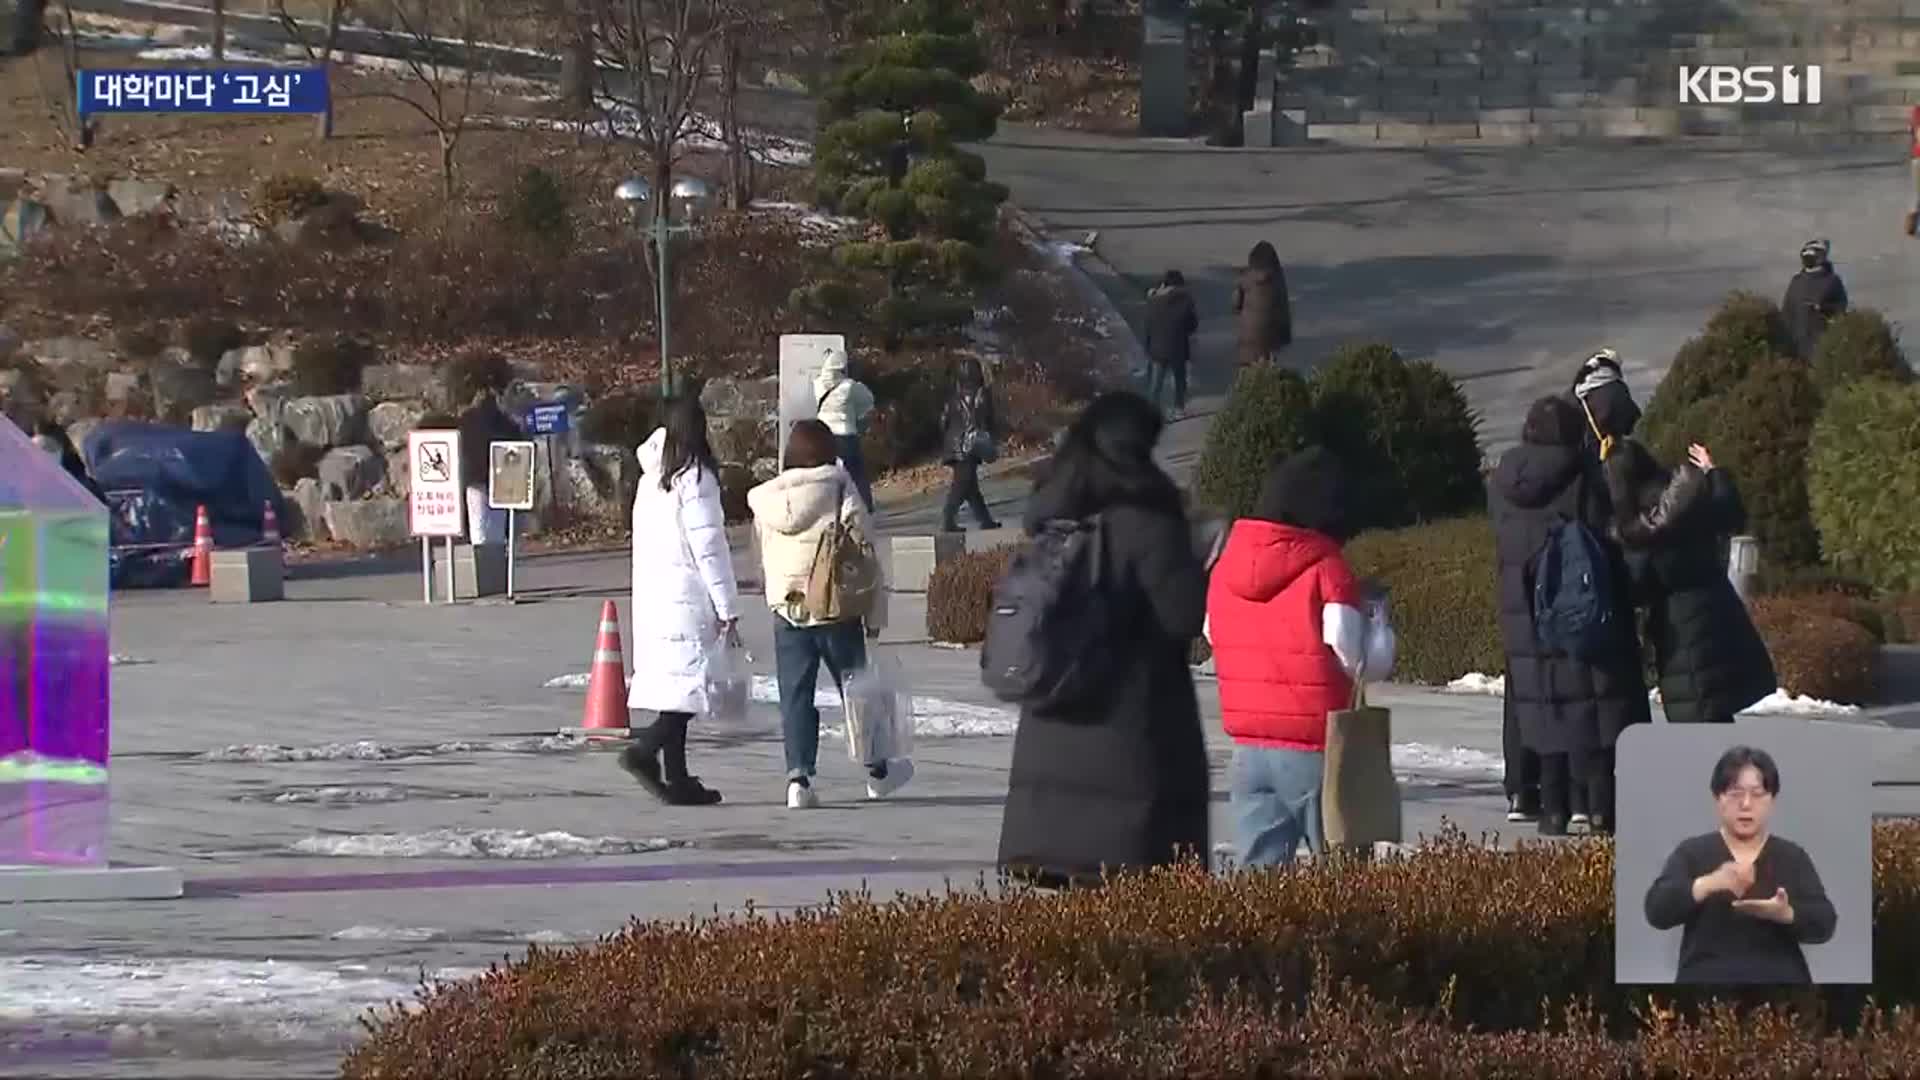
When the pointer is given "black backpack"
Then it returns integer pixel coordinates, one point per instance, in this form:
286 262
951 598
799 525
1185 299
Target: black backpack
1047 646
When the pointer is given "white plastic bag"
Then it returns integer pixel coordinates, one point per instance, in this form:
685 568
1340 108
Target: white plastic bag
729 684
1381 645
879 711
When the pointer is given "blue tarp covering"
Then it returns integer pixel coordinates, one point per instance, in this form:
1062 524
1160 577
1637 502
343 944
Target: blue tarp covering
156 477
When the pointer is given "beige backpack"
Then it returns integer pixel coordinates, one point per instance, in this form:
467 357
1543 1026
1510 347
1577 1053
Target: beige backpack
844 581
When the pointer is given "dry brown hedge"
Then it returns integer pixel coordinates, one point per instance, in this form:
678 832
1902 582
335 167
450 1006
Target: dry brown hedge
1818 652
1460 961
960 594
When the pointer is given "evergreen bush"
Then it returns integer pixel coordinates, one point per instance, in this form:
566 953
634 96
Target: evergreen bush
1758 431
1405 431
1856 345
1864 482
538 210
1440 581
473 371
1743 331
208 338
1268 415
330 365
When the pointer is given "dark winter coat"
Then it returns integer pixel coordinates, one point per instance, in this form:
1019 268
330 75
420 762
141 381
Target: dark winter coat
481 426
1712 662
967 412
1171 323
1813 298
1265 313
1563 704
1123 782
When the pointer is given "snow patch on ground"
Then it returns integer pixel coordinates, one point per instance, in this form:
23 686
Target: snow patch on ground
933 718
1452 762
473 844
123 660
1778 703
204 54
702 133
277 999
339 796
390 933
568 682
368 750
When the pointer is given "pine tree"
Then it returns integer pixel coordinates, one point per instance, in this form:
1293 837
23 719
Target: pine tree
887 152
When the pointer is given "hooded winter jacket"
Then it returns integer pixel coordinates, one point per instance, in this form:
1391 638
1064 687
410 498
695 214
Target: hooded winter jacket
1286 618
841 402
791 513
683 584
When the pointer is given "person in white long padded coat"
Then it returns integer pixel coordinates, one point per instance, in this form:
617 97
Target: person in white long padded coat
685 600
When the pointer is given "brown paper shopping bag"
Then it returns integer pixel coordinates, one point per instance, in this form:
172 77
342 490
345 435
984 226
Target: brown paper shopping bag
1359 798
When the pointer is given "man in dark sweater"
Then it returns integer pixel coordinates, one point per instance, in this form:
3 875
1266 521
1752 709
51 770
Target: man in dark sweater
1748 900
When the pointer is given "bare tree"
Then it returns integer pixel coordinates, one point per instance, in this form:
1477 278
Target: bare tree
219 31
656 57
64 110
322 54
444 76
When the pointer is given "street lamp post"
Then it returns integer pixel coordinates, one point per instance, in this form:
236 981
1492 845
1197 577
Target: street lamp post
692 196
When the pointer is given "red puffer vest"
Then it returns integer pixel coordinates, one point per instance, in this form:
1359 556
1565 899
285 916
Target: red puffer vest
1266 608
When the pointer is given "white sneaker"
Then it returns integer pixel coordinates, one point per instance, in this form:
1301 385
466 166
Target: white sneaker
1579 821
899 771
802 796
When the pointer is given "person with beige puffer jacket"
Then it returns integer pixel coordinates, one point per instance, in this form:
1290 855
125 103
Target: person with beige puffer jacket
791 514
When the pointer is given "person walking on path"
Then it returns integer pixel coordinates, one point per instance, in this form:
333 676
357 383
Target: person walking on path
483 424
1171 324
845 404
1566 712
793 513
1260 300
1288 623
1814 296
1118 781
1712 662
971 428
685 600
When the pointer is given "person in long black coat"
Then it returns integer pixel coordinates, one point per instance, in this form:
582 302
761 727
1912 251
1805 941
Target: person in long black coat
1567 710
1712 662
1121 782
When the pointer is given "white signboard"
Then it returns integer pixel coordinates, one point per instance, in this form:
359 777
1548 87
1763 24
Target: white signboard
801 356
510 476
438 502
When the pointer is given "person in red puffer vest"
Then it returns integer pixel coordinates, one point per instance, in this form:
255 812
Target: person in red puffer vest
1288 621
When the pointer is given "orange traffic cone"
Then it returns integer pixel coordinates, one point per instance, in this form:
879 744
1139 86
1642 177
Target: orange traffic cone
202 549
270 526
606 714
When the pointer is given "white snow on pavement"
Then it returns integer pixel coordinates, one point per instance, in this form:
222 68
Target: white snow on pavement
933 718
473 844
390 933
123 660
340 796
286 999
1452 762
568 682
1778 703
368 750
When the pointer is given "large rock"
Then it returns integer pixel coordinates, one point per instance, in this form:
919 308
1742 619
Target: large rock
755 399
66 406
76 200
369 523
601 482
10 344
309 506
270 399
64 353
404 382
390 421
223 417
22 221
255 363
351 472
734 482
78 430
330 222
177 391
268 436
524 394
11 182
743 440
121 387
329 421
136 197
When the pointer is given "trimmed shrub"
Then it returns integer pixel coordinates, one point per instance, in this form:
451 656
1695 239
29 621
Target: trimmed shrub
1864 482
207 339
296 462
1504 967
1441 585
476 370
1406 430
330 365
1904 612
1746 329
1758 431
1836 603
1818 655
1858 344
285 196
960 594
624 419
1268 415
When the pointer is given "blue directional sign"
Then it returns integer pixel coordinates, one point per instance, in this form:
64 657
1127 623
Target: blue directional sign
205 90
549 418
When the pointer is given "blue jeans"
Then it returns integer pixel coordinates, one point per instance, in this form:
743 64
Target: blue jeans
797 653
856 466
1276 803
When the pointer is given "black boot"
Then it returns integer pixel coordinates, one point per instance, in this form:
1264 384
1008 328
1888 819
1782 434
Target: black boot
641 760
689 791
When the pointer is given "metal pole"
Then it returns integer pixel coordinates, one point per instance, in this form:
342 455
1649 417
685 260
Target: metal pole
451 597
661 234
512 534
426 570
